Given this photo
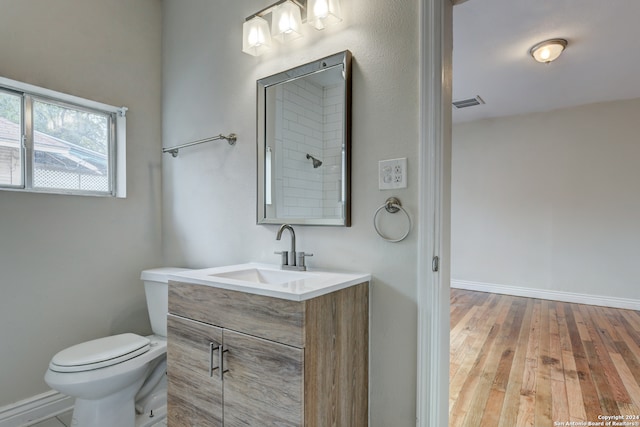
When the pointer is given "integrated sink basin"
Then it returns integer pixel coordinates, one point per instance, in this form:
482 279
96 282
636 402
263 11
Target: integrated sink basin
261 275
270 280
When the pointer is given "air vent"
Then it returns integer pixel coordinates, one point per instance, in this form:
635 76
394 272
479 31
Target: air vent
464 103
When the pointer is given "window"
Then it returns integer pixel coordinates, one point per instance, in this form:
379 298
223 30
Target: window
57 143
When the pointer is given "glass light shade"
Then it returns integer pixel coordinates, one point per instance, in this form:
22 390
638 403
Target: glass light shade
256 38
548 50
286 22
321 13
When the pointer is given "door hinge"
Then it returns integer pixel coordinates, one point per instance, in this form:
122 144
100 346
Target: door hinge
435 264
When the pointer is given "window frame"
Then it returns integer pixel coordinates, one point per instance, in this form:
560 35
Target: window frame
10 92
117 138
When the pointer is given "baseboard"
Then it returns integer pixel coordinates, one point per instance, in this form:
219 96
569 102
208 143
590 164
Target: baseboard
626 303
34 409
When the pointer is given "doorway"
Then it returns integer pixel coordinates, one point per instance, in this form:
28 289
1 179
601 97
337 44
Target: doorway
559 217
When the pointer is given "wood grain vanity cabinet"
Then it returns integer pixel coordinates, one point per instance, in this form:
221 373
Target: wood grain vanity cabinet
284 363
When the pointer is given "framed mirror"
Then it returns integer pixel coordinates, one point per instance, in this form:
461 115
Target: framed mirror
304 144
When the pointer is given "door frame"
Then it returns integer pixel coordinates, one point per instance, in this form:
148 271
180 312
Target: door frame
436 45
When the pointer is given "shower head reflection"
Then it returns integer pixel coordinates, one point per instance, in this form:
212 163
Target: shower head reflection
316 163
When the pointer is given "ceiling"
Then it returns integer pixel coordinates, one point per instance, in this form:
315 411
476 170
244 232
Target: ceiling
491 42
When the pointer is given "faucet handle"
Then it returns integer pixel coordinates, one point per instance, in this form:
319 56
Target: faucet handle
301 256
284 257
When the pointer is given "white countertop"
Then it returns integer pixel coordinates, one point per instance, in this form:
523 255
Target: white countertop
270 280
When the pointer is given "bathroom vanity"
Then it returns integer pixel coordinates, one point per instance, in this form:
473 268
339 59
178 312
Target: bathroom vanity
252 345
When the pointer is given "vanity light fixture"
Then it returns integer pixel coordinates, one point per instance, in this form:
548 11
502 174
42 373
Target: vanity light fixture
256 38
286 22
548 50
321 13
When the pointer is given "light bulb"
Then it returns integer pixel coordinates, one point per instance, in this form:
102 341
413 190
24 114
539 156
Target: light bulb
321 9
545 53
285 24
254 38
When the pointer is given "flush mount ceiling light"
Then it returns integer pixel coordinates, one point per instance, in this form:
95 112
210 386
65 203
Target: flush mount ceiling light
286 22
548 50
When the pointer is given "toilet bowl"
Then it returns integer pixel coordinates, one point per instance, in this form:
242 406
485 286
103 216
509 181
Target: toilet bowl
119 380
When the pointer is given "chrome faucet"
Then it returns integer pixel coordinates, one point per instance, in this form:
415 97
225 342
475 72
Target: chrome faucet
292 253
288 259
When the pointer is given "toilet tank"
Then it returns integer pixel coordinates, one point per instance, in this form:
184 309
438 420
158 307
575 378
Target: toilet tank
156 288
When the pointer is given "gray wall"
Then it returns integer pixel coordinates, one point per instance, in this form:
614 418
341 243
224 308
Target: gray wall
209 191
550 201
70 265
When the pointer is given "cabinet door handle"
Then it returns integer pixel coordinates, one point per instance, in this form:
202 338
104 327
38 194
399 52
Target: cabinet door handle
212 347
221 363
221 352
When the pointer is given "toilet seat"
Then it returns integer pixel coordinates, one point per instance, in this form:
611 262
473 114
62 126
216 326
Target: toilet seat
100 353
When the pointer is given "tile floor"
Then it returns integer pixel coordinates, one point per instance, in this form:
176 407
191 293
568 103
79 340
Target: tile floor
64 420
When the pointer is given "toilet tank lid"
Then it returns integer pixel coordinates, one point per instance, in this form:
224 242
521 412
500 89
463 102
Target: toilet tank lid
99 350
159 274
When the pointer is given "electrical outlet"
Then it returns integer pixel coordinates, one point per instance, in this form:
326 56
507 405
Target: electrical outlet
392 174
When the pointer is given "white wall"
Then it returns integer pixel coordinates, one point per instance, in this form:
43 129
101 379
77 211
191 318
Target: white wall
209 191
69 264
550 201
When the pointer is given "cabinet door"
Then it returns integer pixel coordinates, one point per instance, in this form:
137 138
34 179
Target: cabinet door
194 392
264 382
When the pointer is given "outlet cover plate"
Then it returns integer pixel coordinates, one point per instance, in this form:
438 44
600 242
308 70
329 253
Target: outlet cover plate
392 174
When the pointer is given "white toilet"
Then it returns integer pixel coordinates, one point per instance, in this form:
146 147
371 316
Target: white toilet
119 380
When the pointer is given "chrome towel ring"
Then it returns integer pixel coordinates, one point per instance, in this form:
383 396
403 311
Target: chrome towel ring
392 205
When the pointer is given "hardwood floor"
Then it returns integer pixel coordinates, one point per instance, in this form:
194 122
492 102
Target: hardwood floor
528 362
